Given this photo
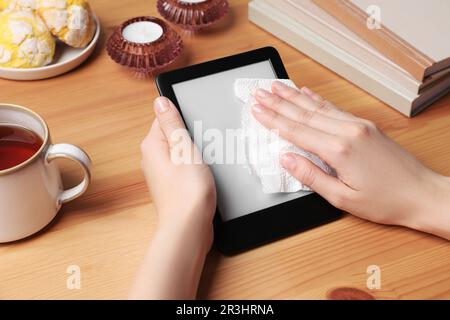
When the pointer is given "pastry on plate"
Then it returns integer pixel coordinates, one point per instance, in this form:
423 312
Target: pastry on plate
71 21
3 4
18 4
25 41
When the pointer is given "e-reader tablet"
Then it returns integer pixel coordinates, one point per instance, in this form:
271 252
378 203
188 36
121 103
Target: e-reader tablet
246 217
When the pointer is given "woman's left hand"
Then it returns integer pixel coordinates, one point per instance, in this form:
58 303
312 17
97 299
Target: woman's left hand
181 184
183 191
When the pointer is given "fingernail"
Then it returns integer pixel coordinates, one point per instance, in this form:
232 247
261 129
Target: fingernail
258 108
288 161
278 85
262 93
162 105
307 91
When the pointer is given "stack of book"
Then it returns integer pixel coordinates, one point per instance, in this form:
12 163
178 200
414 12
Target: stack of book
397 50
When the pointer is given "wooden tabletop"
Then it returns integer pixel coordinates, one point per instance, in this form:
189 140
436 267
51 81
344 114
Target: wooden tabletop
104 109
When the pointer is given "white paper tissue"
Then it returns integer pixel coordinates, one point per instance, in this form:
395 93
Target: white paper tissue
264 147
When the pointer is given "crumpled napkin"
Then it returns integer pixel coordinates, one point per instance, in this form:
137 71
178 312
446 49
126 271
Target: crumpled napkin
264 147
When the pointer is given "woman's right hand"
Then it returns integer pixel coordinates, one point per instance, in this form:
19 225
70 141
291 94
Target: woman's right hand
376 178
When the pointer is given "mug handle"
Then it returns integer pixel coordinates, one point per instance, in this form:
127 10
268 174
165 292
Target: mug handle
69 151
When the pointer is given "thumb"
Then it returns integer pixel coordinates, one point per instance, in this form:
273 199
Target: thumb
329 187
182 150
169 120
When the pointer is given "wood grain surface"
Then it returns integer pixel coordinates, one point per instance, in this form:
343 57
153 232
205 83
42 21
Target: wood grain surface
107 111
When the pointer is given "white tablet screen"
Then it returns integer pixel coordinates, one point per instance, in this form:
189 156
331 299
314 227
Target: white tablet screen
209 102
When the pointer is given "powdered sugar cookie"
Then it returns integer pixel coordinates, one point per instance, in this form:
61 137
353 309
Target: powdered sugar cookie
25 41
71 21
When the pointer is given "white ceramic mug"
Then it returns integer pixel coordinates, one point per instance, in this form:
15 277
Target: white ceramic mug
31 193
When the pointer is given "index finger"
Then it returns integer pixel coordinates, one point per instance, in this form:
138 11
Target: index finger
317 104
305 137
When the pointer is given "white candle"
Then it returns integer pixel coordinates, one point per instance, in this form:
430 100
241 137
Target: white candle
142 32
193 1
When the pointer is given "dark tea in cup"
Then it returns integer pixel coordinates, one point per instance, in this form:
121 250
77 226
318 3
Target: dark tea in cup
31 188
17 145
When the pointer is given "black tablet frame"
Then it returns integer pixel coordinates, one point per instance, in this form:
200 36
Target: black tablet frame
270 224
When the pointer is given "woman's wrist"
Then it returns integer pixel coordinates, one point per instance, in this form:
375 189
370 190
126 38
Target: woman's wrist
172 266
193 227
179 240
433 215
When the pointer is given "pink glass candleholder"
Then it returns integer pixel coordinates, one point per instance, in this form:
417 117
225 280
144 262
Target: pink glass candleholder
144 44
193 15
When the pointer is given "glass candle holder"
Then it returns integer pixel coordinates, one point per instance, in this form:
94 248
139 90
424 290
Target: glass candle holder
144 44
193 15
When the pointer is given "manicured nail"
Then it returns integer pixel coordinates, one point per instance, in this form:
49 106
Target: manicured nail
258 108
262 93
307 91
288 161
162 105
